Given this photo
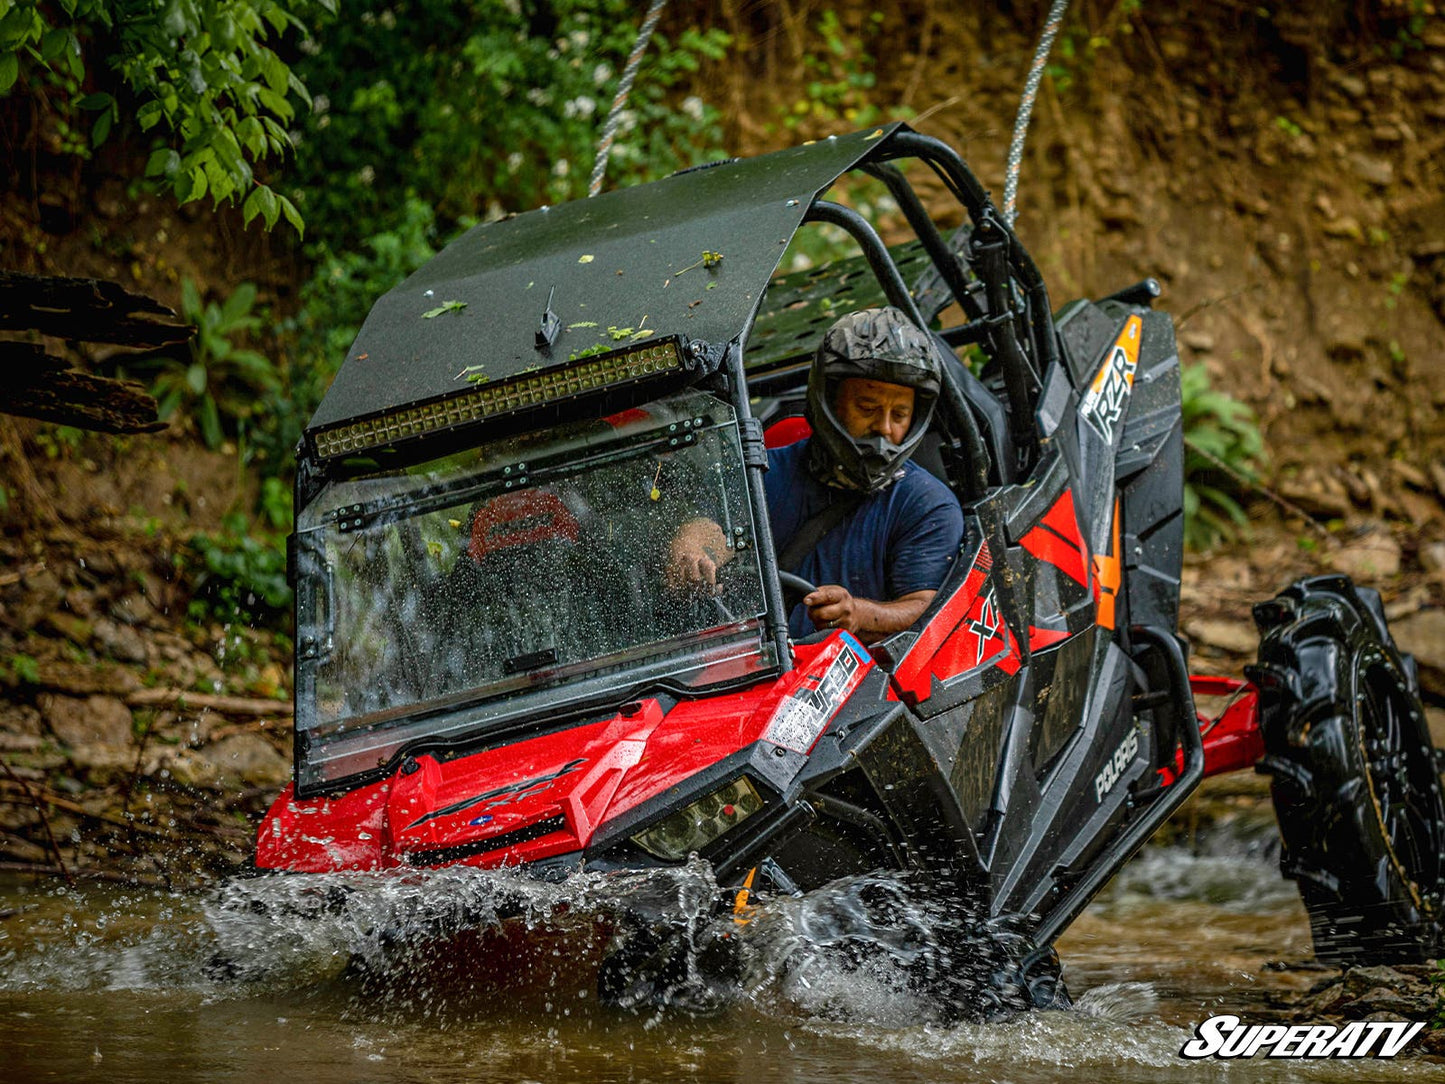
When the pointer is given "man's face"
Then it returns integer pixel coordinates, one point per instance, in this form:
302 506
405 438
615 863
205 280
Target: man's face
869 408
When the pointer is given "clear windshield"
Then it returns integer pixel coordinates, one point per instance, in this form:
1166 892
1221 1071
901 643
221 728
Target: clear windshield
476 582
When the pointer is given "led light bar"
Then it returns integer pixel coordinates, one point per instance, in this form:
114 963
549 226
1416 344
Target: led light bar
488 401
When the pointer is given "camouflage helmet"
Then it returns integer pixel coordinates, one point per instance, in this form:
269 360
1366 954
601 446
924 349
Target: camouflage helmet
871 344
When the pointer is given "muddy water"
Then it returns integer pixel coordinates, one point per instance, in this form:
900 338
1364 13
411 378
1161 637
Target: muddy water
261 981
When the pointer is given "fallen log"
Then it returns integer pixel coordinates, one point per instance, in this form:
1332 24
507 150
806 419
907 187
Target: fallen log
86 310
39 385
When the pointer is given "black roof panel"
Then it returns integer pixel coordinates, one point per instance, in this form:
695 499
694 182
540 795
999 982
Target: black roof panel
631 260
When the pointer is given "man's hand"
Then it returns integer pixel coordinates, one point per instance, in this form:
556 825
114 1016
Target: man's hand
832 606
694 556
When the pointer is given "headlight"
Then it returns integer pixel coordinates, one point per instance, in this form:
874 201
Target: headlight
694 827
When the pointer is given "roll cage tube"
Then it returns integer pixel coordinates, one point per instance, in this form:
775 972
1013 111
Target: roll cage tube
998 258
943 257
755 462
975 457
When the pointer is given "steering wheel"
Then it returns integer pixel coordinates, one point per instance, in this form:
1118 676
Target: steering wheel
794 587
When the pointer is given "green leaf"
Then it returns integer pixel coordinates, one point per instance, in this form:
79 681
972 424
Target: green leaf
293 216
101 128
53 43
196 378
445 306
210 422
96 101
190 301
238 305
9 71
252 136
149 115
261 201
164 162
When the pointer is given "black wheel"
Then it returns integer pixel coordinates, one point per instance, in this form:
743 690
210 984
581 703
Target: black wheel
1355 783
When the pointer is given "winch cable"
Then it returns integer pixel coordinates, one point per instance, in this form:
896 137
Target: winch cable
614 115
1026 108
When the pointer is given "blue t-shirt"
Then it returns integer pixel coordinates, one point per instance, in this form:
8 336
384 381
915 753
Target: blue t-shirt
901 539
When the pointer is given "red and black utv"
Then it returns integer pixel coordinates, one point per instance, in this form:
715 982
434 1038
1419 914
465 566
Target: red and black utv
490 670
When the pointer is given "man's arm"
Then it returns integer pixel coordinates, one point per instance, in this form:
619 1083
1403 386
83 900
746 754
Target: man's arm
833 607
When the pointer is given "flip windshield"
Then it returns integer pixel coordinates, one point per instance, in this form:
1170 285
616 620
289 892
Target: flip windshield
522 576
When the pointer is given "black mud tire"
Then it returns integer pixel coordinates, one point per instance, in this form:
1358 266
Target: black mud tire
1355 781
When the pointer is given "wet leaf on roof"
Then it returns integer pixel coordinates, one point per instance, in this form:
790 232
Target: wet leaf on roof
445 306
586 259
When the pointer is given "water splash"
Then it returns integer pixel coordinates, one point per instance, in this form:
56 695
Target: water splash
879 948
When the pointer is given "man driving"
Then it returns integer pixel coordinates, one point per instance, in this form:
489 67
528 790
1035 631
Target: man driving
850 512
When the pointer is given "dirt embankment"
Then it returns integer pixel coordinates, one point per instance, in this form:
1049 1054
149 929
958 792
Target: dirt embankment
1279 173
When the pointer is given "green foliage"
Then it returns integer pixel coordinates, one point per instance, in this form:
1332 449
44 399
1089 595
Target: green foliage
334 302
840 76
200 74
1223 451
24 670
58 441
239 574
219 387
485 106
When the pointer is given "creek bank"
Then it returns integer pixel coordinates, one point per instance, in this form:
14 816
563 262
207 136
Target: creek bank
140 740
1394 992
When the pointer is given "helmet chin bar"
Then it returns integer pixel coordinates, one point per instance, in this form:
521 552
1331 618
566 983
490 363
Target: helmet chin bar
866 463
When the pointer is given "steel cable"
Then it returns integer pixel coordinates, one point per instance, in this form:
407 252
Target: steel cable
1026 108
614 115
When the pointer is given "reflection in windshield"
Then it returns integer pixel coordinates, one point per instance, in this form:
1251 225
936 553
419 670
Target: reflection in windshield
526 563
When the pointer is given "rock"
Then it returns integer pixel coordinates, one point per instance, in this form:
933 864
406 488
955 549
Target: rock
1437 475
1360 980
75 629
1423 635
248 758
1344 226
80 678
81 723
1432 557
190 768
1352 85
1376 171
19 719
120 641
43 594
1327 1000
1372 557
1390 1004
1410 474
1237 637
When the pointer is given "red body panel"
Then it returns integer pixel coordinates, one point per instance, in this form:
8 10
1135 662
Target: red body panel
1232 739
548 794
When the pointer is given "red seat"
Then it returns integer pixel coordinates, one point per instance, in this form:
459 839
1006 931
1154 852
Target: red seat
787 431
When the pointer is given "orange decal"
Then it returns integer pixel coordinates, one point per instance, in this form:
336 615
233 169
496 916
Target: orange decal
1108 397
1106 577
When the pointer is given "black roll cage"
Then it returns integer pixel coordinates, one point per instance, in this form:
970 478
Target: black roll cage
991 276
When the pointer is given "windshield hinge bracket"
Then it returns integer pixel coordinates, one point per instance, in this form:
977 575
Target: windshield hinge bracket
755 452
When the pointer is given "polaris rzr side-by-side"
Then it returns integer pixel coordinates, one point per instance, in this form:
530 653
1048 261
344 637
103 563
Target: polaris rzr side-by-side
492 669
